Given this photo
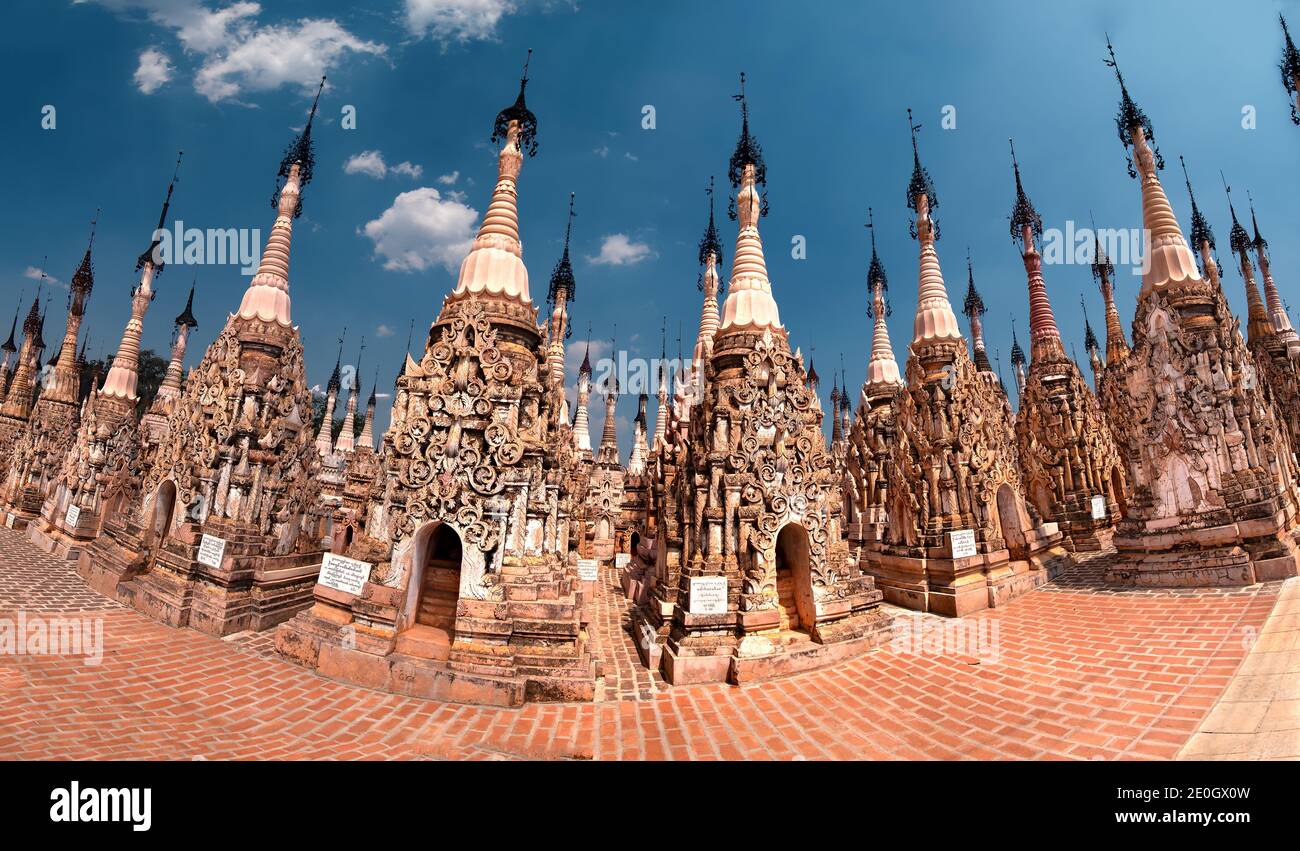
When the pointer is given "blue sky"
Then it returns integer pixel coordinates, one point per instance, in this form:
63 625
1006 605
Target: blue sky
133 81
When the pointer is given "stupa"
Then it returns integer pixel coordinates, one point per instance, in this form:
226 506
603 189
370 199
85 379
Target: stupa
1072 471
39 449
765 585
1210 468
218 543
465 593
959 537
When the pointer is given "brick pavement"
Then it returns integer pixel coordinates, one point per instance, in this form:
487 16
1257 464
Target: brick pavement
1080 671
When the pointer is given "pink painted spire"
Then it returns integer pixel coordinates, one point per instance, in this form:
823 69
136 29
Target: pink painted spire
367 438
1169 260
581 422
495 264
267 296
325 437
935 320
1259 328
709 284
1272 298
882 369
125 373
64 383
1026 224
750 305
561 293
347 437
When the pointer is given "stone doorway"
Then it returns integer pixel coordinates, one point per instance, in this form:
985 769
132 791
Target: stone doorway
164 511
440 581
794 580
1117 491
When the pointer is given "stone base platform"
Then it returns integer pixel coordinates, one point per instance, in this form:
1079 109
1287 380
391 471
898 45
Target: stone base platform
938 583
1169 554
248 591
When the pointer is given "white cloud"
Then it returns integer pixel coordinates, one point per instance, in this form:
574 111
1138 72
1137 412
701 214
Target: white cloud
631 156
422 229
35 274
383 331
411 171
602 151
154 70
371 164
456 20
617 250
449 179
237 54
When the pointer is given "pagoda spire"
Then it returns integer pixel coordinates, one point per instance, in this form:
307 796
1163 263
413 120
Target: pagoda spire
1202 236
1259 328
636 461
581 425
709 284
347 441
882 369
170 388
561 293
974 309
935 321
608 453
367 438
123 375
1090 344
267 296
64 383
1102 271
1272 299
1017 359
18 398
661 398
1290 68
1168 259
750 305
494 267
1026 226
325 436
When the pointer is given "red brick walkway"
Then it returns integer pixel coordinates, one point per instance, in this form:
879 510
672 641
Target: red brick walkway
1071 671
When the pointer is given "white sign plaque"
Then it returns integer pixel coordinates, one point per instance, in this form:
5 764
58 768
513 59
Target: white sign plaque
708 595
72 515
588 570
962 542
621 560
211 550
343 574
1099 508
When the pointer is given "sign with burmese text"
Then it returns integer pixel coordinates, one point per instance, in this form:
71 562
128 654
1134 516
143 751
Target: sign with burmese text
71 516
708 595
621 560
587 570
343 574
962 542
1099 508
211 550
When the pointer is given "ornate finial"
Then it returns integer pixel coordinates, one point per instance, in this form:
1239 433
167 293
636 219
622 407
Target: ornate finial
32 324
149 255
1017 353
83 280
920 184
1130 116
562 276
813 378
585 369
1101 265
518 112
709 243
374 387
186 316
1023 214
334 383
748 151
1290 68
1238 239
302 153
1259 243
974 305
9 345
1089 338
875 272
